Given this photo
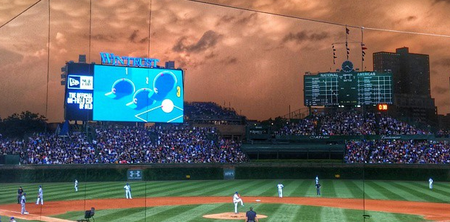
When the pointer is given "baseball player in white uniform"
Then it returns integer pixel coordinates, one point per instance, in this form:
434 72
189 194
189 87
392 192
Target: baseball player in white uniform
23 200
76 185
317 180
40 197
127 188
280 189
430 183
236 200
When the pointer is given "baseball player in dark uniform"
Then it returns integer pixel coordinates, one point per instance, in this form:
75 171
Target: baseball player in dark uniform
251 216
318 188
19 194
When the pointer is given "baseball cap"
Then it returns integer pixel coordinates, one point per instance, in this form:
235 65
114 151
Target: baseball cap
120 88
142 98
12 217
163 83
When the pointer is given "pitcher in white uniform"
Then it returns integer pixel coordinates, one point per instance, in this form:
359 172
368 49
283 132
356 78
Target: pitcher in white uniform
236 200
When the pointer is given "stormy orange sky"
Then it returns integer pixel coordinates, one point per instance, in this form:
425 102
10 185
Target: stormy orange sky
254 62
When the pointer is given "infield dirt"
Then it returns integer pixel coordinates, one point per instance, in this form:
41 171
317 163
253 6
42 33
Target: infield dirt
430 211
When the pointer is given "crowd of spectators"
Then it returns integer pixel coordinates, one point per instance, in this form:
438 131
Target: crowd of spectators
398 151
304 127
52 149
174 144
128 145
209 112
348 123
11 146
443 133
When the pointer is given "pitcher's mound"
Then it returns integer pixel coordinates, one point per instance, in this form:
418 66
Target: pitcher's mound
230 216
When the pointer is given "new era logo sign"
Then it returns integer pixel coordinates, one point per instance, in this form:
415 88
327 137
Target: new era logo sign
80 82
74 82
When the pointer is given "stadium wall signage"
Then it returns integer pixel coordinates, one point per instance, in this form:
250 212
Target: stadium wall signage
319 137
111 59
391 137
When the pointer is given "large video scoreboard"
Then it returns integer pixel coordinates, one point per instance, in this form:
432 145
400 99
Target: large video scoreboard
348 88
118 93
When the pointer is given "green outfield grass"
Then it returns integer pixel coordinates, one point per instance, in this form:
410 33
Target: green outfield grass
277 213
386 190
6 219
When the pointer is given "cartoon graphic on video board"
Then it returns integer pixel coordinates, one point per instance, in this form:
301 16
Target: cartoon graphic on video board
137 94
120 88
142 98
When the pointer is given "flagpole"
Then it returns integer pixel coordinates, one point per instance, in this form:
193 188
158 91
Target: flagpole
334 53
346 39
362 50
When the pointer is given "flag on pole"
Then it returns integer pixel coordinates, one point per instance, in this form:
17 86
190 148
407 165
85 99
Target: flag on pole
363 46
347 31
363 52
348 49
334 53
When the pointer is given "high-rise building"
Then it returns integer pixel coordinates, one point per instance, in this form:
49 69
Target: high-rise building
411 77
170 65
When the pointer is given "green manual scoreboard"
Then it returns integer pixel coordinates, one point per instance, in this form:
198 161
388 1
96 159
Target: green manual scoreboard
347 87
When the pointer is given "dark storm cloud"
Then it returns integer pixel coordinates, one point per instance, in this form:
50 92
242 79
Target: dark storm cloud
240 20
302 36
411 18
229 60
442 62
439 1
211 55
440 90
180 46
144 40
246 19
225 19
102 37
133 36
208 40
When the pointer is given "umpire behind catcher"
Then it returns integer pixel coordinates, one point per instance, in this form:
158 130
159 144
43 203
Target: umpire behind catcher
251 216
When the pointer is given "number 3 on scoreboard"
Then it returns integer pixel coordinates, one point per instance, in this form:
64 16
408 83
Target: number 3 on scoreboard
178 91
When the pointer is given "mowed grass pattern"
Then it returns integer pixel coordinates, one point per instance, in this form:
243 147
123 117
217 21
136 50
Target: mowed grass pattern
385 190
276 213
6 219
